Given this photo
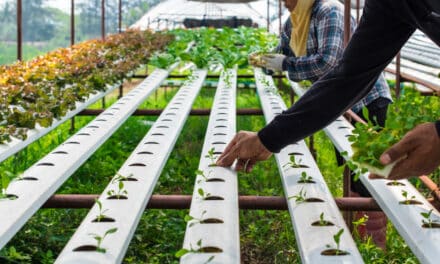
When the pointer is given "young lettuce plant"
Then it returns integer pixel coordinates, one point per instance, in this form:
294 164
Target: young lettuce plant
335 251
184 251
211 156
118 194
427 221
300 197
99 239
196 220
101 212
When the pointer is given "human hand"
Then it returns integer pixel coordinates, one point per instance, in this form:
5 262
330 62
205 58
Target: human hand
273 61
421 146
247 148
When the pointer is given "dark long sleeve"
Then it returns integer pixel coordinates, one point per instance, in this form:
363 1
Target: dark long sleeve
385 26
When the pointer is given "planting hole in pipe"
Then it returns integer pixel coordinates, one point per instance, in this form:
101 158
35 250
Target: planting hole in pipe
83 134
8 196
395 183
28 179
220 134
210 250
86 248
295 154
334 252
410 202
137 165
215 180
211 221
46 164
213 198
163 127
117 197
93 127
322 223
145 153
313 200
104 219
151 143
60 152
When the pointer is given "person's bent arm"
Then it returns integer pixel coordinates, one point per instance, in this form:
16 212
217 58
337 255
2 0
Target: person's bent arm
378 38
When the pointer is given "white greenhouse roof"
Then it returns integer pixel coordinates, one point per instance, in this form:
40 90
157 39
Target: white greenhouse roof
171 13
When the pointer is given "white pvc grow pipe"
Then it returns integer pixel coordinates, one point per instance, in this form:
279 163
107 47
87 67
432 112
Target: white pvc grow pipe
144 165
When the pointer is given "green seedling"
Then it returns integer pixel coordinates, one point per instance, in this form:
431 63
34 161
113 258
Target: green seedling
427 221
337 240
99 239
196 220
305 178
101 212
407 199
5 180
202 174
203 194
119 193
300 197
293 164
120 177
184 251
322 222
211 156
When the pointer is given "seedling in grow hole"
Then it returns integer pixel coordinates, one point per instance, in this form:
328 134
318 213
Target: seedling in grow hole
101 212
120 177
305 178
203 194
120 192
197 220
211 156
6 177
337 239
427 221
407 200
184 251
202 174
99 239
300 197
292 163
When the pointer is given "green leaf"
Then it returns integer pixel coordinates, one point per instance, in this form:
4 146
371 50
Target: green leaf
201 192
181 252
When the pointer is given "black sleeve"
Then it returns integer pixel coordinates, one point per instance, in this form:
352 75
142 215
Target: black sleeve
363 60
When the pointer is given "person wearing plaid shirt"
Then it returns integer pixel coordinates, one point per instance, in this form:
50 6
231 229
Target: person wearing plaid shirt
325 45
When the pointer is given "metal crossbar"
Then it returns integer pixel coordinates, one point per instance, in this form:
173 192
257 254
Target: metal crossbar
127 194
214 226
307 198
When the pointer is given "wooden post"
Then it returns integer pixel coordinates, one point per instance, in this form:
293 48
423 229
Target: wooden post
19 31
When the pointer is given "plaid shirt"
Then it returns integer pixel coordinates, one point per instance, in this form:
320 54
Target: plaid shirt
325 46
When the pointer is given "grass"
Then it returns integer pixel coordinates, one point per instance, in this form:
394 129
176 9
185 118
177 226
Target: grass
160 233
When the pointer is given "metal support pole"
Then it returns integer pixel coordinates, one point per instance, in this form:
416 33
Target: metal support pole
72 124
158 201
120 16
72 22
347 17
280 14
103 19
268 16
121 91
19 31
398 76
348 216
103 102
